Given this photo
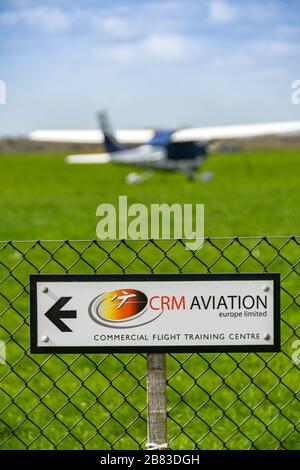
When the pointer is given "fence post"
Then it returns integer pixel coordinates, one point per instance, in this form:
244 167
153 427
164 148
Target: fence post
157 408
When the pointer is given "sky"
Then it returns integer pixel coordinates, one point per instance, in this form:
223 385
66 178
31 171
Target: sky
157 63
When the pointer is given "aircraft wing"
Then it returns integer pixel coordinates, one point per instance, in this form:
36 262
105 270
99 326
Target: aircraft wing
88 158
144 156
142 136
125 136
243 131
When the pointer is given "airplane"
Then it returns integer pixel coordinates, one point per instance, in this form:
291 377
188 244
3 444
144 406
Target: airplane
123 298
183 150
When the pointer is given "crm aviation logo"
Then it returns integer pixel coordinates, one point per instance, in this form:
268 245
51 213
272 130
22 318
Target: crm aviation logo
122 308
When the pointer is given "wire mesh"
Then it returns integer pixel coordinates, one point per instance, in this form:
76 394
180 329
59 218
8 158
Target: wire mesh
98 401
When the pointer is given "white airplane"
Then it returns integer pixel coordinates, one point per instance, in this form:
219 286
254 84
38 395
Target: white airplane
123 298
183 150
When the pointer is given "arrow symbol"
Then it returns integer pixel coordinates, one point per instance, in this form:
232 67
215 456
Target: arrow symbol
55 314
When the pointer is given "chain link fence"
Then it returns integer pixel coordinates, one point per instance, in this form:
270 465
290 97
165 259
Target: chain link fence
98 401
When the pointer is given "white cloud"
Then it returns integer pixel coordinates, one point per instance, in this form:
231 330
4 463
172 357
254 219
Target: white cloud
47 19
123 53
168 47
277 48
139 21
235 60
153 48
114 26
221 12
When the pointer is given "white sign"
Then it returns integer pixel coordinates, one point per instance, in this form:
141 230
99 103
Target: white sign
115 313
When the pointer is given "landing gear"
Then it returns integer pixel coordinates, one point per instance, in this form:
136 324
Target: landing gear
136 178
205 176
191 175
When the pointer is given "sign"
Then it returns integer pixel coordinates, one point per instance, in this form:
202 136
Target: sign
149 312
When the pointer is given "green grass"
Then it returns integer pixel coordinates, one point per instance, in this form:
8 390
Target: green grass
253 193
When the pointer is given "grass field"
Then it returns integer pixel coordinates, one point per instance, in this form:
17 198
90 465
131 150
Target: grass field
253 193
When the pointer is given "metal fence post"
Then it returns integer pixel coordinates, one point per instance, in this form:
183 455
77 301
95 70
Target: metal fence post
157 408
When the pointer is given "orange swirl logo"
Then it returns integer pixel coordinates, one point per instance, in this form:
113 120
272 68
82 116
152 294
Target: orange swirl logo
121 308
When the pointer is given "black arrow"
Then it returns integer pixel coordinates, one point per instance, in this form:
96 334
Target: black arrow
55 314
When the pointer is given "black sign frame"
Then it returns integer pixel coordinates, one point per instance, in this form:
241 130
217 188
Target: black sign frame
35 349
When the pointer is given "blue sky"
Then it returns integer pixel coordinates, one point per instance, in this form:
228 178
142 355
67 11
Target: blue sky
150 63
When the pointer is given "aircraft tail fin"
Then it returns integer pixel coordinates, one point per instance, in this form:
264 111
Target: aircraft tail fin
110 142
